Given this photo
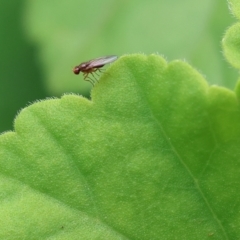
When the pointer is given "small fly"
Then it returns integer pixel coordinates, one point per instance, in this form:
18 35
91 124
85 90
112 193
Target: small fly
93 66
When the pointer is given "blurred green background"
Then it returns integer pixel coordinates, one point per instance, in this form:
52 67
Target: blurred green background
41 41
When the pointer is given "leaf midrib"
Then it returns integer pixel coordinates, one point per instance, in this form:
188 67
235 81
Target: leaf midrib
159 124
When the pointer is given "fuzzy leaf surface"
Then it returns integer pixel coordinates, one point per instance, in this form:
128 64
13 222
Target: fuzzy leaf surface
154 155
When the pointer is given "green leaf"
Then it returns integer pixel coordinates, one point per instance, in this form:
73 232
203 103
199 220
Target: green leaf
20 78
231 40
154 155
231 45
234 5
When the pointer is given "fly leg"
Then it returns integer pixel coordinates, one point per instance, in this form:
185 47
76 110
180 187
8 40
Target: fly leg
87 78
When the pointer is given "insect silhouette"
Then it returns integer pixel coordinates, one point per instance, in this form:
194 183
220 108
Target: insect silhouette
93 66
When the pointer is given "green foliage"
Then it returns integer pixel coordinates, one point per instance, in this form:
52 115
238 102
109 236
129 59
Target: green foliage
154 155
234 5
231 41
20 76
43 40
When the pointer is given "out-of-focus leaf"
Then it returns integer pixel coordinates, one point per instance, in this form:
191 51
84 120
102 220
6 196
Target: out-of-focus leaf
231 41
73 31
20 76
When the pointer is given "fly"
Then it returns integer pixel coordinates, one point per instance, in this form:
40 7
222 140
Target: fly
93 66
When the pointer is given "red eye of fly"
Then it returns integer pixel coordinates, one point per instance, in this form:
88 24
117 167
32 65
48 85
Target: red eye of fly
76 70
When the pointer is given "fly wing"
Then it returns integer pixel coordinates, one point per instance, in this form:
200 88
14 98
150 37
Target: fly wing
99 62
